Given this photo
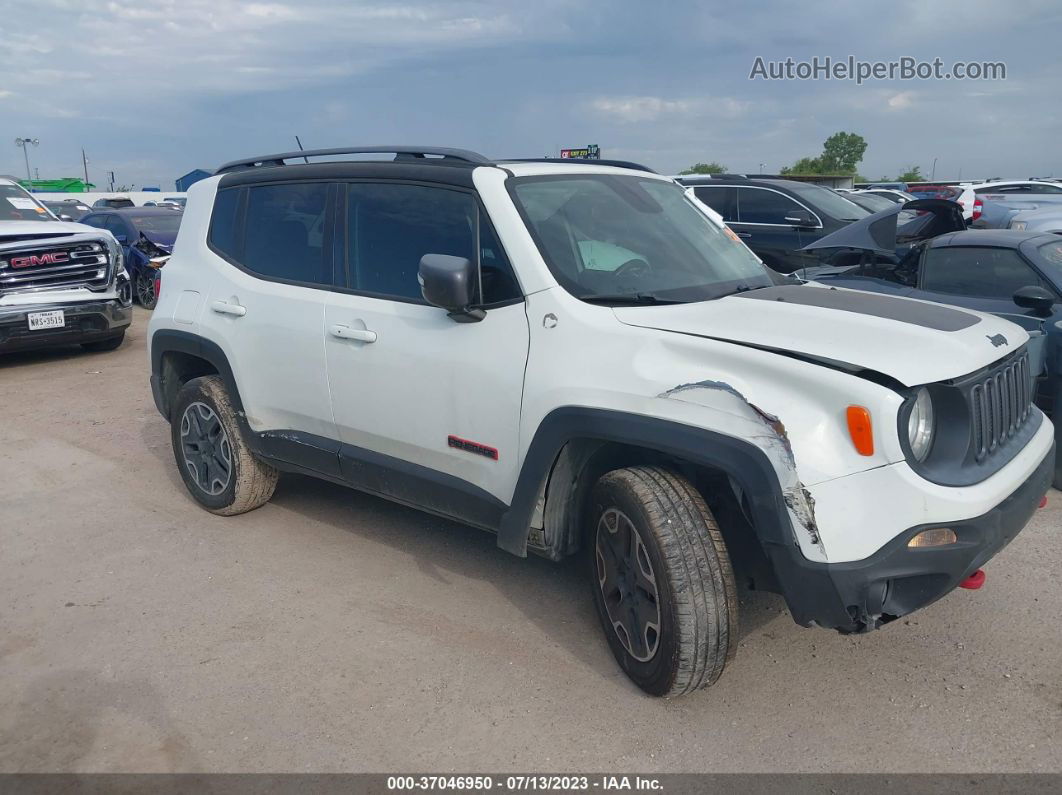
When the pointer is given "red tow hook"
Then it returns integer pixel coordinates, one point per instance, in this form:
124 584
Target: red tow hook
974 581
1043 502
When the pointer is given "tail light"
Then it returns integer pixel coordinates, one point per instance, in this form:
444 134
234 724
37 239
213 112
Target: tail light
158 285
978 207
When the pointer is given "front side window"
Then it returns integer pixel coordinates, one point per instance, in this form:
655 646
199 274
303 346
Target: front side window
825 200
17 205
390 227
976 272
620 238
284 232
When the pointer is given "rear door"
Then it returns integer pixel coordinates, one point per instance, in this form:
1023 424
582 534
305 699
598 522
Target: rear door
430 404
265 308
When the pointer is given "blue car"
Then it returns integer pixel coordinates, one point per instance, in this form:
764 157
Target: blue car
146 235
1017 275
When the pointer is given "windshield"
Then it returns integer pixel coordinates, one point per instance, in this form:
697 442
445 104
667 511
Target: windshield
17 205
609 237
824 199
165 224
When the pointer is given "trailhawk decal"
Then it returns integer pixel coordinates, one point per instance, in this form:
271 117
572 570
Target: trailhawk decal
472 447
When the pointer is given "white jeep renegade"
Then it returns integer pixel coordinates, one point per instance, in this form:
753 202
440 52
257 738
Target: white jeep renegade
581 356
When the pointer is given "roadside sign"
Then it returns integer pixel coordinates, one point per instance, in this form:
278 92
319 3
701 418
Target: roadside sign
591 152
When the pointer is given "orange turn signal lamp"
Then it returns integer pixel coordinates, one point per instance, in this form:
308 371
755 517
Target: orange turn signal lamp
861 429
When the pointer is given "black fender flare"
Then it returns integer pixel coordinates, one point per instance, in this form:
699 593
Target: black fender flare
166 341
747 464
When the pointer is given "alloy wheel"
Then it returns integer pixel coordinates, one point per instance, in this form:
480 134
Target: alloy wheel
628 585
205 448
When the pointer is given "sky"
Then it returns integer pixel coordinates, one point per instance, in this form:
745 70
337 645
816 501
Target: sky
154 89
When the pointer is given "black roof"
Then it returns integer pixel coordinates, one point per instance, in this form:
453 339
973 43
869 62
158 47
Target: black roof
410 162
697 180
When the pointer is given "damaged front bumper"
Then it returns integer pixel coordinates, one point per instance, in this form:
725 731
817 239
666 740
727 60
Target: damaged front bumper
862 595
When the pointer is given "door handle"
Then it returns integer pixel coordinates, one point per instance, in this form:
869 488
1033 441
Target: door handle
744 234
349 333
225 308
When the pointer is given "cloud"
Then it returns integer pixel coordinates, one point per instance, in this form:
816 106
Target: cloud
642 109
901 101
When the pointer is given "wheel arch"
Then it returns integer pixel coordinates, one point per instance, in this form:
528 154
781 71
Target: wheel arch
573 446
179 356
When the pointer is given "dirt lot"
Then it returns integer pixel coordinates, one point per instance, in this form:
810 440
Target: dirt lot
334 631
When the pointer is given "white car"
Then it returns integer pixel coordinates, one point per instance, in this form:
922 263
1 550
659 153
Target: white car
61 283
895 196
974 195
578 356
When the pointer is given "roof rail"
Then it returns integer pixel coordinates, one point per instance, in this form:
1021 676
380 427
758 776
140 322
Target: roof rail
580 161
400 152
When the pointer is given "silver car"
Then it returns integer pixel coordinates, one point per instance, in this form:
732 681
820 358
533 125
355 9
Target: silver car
1044 219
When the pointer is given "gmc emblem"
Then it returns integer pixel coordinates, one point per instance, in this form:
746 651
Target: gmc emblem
51 258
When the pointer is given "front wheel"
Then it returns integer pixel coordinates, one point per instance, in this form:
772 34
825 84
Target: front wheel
146 293
662 581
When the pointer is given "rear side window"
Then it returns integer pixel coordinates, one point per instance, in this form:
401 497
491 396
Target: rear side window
389 227
979 272
757 206
720 199
284 232
223 223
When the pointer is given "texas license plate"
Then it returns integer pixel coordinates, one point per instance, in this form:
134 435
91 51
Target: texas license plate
43 320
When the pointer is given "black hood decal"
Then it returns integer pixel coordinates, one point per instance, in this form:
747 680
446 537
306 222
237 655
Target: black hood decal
918 313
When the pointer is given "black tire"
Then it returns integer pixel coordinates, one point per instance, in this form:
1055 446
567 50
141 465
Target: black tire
203 447
696 600
109 344
145 289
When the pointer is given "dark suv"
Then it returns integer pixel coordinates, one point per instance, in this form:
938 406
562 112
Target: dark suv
776 217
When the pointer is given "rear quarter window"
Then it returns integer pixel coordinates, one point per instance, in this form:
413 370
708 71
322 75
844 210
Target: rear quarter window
223 223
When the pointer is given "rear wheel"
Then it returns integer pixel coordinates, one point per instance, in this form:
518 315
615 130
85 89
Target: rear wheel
662 580
214 460
109 344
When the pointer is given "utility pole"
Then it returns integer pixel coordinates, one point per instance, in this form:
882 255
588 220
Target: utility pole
84 162
112 182
24 143
933 175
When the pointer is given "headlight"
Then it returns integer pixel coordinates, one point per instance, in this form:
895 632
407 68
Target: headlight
1019 225
920 425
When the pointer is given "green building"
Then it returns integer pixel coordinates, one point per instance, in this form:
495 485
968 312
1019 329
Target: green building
62 185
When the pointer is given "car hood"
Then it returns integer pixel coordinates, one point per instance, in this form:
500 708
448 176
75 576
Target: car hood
161 239
27 230
914 342
877 232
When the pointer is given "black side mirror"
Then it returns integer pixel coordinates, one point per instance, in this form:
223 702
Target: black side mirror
449 282
800 218
1035 298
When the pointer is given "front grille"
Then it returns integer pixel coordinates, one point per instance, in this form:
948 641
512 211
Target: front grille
83 264
1000 403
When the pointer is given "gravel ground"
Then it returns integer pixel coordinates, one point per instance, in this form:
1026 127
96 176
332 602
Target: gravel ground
333 631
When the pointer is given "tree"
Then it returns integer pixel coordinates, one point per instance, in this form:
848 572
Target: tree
842 151
840 154
912 174
805 165
705 168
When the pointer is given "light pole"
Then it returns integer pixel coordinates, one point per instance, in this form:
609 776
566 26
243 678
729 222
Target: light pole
24 144
933 175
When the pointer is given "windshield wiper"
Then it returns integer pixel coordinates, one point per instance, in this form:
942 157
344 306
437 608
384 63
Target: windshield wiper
637 299
744 288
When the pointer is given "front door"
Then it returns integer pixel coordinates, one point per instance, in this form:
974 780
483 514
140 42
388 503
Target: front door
427 408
